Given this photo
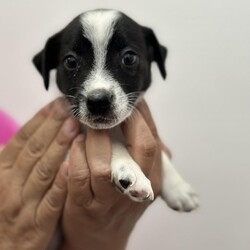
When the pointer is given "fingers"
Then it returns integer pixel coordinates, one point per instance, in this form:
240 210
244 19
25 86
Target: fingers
98 149
79 186
15 145
46 168
38 143
166 150
50 208
145 112
155 174
141 143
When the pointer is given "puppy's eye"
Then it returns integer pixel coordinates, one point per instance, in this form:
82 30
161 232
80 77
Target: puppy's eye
70 62
129 58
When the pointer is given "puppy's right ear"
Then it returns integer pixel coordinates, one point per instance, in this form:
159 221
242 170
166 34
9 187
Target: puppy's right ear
48 58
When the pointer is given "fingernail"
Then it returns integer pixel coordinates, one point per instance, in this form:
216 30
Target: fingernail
70 126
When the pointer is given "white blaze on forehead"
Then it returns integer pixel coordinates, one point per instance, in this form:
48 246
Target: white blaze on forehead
98 27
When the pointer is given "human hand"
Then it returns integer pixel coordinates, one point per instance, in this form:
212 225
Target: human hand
32 188
96 216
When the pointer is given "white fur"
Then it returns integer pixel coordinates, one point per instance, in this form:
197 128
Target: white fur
102 80
98 27
177 193
124 167
175 190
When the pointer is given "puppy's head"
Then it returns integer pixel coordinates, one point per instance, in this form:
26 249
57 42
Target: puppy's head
103 61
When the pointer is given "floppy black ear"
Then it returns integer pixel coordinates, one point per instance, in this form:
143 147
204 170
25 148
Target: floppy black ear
48 58
157 52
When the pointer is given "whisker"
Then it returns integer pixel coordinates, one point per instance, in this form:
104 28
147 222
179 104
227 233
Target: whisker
76 88
70 96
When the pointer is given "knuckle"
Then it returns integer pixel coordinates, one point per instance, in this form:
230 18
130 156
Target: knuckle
80 176
59 187
43 171
62 140
23 135
52 202
10 212
102 173
36 146
147 148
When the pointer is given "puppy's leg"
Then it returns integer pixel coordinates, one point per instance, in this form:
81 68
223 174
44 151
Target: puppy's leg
126 174
178 194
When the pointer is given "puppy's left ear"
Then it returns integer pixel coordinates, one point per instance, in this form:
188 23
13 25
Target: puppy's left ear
48 58
156 52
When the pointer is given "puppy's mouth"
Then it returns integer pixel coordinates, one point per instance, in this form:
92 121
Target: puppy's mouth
100 110
100 121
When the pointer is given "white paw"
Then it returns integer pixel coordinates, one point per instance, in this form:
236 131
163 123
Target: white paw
141 190
130 180
180 197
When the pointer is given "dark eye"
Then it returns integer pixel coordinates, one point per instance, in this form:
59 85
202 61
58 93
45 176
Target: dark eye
70 62
129 58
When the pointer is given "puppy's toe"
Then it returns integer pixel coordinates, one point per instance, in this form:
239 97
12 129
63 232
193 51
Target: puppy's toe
123 178
132 182
125 183
141 195
181 198
141 190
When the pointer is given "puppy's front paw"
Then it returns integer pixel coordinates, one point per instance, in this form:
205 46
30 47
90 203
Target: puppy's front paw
132 182
180 197
141 190
122 177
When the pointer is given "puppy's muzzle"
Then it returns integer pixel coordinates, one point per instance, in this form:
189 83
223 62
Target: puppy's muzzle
99 102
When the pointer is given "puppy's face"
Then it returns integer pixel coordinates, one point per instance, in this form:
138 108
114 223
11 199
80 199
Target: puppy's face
103 61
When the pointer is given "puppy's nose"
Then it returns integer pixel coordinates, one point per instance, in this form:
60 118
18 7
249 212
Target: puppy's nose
99 101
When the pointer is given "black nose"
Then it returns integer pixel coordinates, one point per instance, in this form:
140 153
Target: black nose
99 101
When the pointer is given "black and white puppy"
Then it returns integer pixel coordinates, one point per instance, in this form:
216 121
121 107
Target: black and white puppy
103 60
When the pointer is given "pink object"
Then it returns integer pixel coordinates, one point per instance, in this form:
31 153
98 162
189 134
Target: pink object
8 127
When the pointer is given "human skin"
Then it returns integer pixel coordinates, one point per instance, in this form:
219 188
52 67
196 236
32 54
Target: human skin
32 179
96 216
33 182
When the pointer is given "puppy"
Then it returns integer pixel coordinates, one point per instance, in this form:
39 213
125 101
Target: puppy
103 61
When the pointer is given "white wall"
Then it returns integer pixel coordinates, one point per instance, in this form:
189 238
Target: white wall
202 110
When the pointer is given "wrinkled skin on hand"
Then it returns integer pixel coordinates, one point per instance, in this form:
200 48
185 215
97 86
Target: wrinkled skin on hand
32 180
95 212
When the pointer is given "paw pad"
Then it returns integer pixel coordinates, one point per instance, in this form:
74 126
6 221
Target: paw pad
125 183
